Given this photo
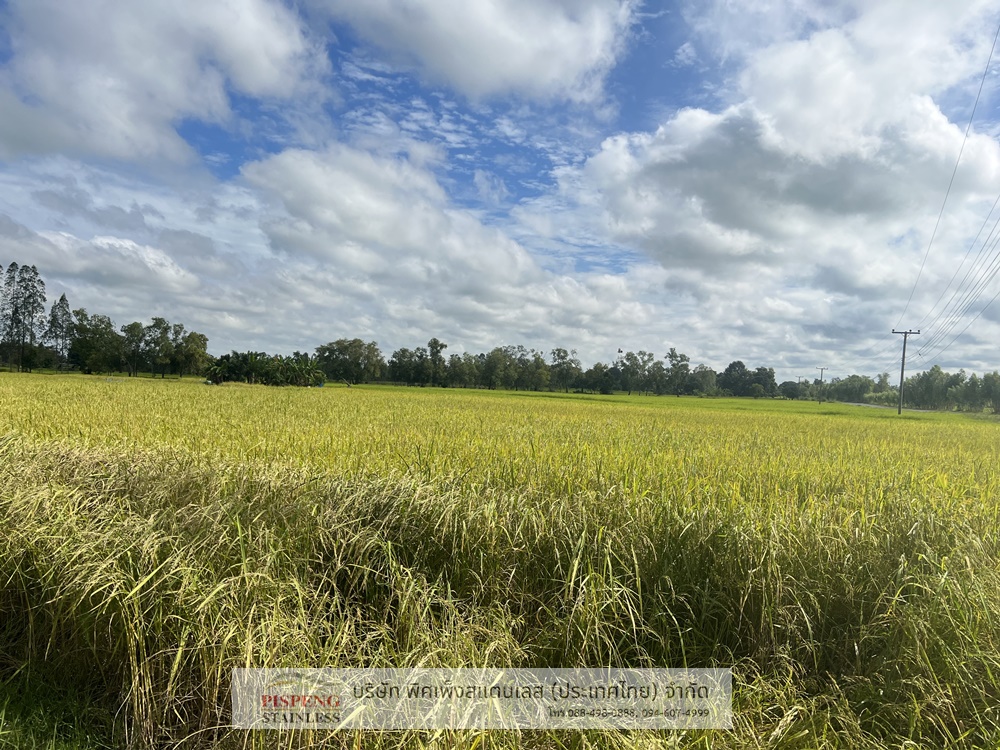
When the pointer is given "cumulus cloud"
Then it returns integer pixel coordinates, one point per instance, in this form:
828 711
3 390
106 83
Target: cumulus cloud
856 88
716 192
371 238
116 78
735 29
782 223
348 244
543 49
74 201
798 215
105 262
380 215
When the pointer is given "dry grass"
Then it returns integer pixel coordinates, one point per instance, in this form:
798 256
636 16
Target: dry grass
156 535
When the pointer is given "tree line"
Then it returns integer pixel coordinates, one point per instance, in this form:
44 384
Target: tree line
932 389
518 368
91 343
355 361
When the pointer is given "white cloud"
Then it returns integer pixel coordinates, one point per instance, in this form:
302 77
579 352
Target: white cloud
115 78
542 49
491 188
734 29
101 263
801 212
685 55
783 226
367 238
382 216
845 90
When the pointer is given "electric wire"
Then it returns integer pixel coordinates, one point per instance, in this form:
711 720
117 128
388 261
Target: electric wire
923 321
967 301
929 355
951 182
974 268
959 335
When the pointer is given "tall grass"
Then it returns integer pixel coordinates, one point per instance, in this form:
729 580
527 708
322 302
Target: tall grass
156 535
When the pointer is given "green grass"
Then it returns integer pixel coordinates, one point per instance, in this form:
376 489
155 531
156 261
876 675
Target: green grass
843 561
44 713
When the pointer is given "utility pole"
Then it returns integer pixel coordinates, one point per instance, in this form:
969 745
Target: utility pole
821 369
902 366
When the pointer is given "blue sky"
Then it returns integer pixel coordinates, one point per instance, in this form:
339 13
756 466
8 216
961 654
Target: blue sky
756 180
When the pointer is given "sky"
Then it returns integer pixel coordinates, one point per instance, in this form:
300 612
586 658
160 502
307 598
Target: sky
782 182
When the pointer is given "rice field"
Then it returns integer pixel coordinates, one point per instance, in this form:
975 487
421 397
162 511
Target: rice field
156 534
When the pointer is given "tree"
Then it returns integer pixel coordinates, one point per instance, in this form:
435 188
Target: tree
22 311
853 388
764 376
9 314
134 347
401 366
372 363
521 367
176 342
59 330
456 376
258 367
436 365
535 373
463 370
677 372
703 380
789 389
28 311
927 390
953 385
297 370
972 394
499 368
657 378
821 388
736 379
633 371
600 379
192 355
96 345
421 366
219 369
990 391
254 365
160 347
351 360
474 366
565 368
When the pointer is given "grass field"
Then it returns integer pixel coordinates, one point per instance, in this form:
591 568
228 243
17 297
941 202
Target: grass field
843 561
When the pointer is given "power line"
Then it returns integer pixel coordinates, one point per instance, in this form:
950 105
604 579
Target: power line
880 354
957 337
962 264
951 182
955 310
965 304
